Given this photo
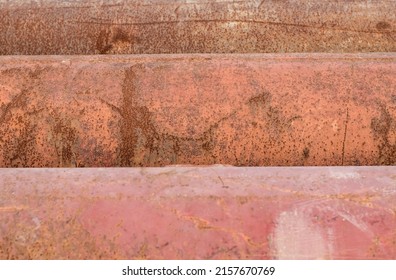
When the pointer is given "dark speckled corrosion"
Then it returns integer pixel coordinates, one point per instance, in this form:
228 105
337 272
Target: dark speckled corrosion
243 110
198 213
201 26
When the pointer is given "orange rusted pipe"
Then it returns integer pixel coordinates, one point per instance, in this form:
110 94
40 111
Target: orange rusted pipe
255 110
198 213
200 26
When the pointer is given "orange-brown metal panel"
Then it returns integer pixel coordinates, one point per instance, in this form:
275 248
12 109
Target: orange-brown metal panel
255 110
183 26
198 213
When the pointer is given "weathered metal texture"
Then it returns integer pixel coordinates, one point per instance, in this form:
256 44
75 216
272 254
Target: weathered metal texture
198 213
250 110
202 26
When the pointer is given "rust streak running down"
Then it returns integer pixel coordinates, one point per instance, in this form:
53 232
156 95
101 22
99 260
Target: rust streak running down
242 110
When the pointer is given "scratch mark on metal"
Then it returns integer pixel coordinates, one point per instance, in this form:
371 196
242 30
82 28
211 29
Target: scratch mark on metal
345 135
12 208
287 24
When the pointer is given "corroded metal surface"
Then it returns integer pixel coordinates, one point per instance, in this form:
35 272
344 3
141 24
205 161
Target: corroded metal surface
253 110
184 26
198 213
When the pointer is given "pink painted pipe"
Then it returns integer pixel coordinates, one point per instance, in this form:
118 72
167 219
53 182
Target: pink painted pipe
215 212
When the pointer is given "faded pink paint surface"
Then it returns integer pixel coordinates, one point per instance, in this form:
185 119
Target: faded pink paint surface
199 213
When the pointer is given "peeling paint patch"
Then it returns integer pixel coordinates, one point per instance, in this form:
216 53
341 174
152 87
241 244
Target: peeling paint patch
296 237
344 175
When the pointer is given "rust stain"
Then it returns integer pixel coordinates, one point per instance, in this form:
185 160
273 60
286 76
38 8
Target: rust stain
201 27
143 112
65 140
141 142
203 224
199 222
12 208
383 25
136 128
138 119
382 128
62 237
345 136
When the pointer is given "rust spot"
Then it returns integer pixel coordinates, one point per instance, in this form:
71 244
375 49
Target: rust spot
137 130
381 127
142 253
103 44
243 199
306 153
277 123
260 100
13 208
115 40
18 133
65 142
199 223
63 237
142 144
383 25
120 36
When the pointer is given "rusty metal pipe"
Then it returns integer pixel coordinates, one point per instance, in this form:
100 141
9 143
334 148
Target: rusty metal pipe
201 26
243 110
198 213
